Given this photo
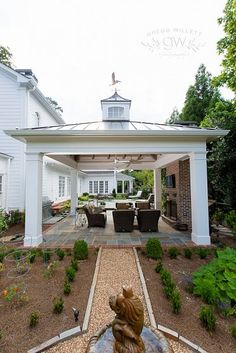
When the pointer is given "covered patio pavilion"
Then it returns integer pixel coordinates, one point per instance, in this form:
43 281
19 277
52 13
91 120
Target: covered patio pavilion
110 144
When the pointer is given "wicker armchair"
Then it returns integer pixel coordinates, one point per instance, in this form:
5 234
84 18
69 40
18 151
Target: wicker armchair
95 219
148 220
123 220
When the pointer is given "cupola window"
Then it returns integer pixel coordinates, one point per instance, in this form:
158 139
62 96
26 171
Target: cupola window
115 112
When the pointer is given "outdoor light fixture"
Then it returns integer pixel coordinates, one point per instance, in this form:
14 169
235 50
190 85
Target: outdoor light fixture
76 314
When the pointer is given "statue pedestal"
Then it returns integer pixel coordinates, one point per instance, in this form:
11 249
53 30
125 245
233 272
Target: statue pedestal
154 341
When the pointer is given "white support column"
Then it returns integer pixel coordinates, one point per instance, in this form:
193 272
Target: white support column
74 191
199 199
33 199
157 188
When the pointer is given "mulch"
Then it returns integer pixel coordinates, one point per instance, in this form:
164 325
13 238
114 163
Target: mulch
14 323
186 323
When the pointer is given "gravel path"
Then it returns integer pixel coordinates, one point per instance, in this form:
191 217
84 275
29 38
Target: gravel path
117 268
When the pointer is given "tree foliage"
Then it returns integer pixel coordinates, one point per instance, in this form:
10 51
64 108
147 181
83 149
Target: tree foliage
174 117
222 153
6 56
144 180
227 47
199 97
55 105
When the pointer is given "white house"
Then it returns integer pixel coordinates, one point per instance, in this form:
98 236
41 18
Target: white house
22 105
104 182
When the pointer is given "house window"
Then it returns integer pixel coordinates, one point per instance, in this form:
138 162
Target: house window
101 187
106 187
0 184
95 187
90 187
68 186
115 112
61 186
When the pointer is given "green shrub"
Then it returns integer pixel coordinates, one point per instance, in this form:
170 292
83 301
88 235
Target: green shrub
51 269
70 273
188 253
46 255
230 220
80 250
207 318
67 288
3 221
233 331
17 254
216 282
74 264
159 266
33 319
32 256
226 309
169 289
175 301
58 305
165 277
60 253
173 252
154 249
84 198
202 253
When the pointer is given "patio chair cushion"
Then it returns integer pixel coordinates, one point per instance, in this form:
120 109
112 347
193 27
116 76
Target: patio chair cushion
142 205
123 205
123 220
148 220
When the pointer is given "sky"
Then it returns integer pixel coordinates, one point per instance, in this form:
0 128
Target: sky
154 47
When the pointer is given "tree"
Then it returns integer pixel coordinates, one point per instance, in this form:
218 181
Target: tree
55 105
174 117
227 47
222 153
144 180
6 56
199 97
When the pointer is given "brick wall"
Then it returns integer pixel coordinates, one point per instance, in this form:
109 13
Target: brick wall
184 206
181 193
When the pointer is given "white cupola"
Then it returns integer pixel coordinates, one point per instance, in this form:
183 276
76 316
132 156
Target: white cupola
115 108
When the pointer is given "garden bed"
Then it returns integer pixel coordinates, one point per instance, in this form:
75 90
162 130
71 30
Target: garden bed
40 291
186 323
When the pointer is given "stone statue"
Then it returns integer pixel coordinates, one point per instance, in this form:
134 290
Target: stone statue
128 323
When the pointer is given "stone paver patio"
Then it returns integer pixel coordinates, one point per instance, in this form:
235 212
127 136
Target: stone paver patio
65 232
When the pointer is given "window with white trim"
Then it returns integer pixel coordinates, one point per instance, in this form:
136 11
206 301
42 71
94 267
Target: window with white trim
115 112
90 187
106 187
0 184
95 186
101 187
68 186
61 186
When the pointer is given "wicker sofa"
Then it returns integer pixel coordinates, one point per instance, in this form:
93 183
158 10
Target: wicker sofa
123 220
148 220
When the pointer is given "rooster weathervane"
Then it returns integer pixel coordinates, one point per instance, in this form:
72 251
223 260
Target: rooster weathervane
114 81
